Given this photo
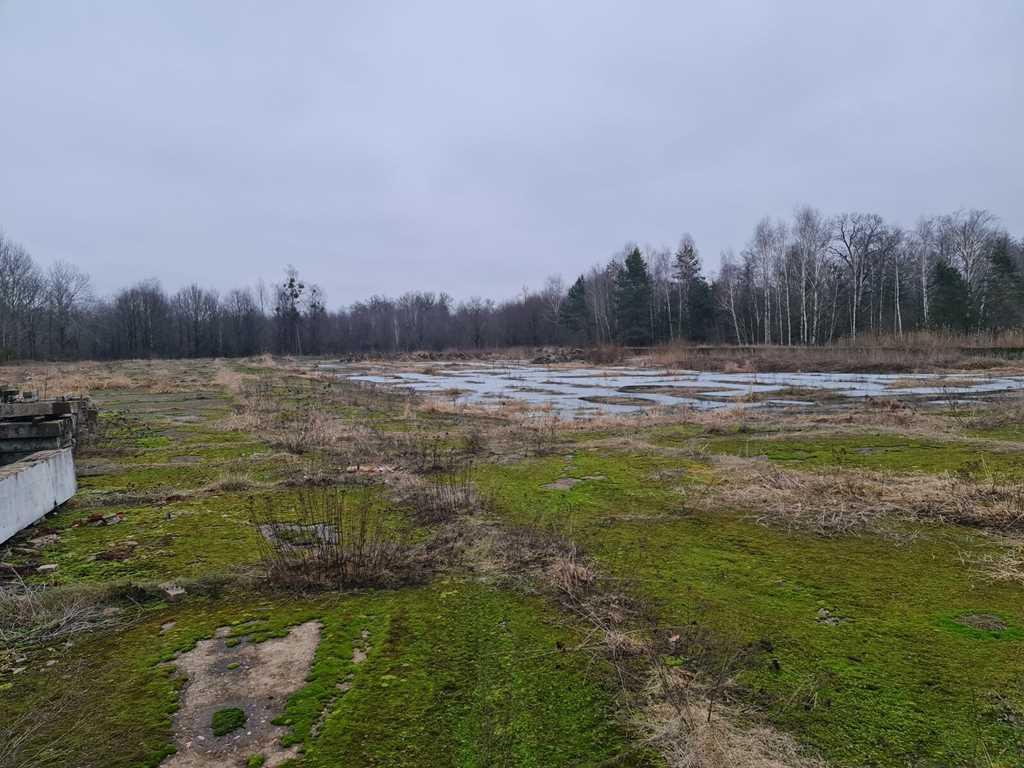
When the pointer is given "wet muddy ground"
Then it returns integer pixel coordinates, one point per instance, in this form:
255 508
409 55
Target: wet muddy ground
584 391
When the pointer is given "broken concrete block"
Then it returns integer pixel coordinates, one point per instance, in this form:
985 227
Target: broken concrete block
34 486
172 591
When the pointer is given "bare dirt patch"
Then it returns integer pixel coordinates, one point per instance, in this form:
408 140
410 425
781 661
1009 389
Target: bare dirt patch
254 677
562 484
568 483
985 621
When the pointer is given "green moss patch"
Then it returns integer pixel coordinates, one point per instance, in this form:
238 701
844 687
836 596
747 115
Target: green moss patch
192 538
226 720
457 674
855 644
879 452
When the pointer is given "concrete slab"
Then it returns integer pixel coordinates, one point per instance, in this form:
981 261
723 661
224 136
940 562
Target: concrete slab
33 486
38 408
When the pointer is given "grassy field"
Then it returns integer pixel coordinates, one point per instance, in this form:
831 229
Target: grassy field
774 588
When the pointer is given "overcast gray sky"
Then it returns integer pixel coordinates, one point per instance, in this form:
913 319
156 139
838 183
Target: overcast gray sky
477 147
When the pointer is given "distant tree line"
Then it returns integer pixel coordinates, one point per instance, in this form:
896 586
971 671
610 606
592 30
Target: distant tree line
811 280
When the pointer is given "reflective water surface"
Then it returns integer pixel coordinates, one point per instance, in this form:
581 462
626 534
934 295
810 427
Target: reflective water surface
577 392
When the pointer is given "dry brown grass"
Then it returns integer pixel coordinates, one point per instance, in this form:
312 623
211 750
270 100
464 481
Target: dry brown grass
154 376
691 731
1007 414
841 501
1003 564
231 379
571 574
32 615
923 353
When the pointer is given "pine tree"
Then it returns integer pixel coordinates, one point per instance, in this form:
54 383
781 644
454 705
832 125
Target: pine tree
1006 287
951 299
701 303
632 301
573 312
685 270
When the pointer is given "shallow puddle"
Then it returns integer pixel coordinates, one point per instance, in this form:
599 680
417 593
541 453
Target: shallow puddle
579 392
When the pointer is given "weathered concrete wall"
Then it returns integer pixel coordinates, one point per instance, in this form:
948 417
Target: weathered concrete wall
34 486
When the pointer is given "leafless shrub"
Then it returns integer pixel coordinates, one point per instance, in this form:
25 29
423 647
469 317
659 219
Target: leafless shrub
305 432
432 454
36 615
332 541
444 498
537 431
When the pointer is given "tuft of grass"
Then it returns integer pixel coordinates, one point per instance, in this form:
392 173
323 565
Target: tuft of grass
226 720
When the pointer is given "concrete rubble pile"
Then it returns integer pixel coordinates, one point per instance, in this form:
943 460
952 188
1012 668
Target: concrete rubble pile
37 441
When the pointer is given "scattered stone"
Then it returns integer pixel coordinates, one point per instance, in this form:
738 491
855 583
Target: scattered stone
100 519
42 541
47 568
167 626
358 655
172 591
827 617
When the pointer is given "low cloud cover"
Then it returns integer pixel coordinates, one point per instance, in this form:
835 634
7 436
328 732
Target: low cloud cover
478 147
